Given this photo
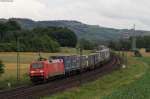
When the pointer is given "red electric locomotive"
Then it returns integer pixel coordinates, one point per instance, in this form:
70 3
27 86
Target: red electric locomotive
44 69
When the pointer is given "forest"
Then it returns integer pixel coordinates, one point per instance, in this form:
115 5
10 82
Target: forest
51 38
47 39
141 42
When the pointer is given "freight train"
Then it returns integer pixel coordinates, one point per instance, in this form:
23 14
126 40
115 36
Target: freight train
64 65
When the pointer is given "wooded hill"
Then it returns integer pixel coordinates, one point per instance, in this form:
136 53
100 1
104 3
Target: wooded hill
85 31
51 35
48 39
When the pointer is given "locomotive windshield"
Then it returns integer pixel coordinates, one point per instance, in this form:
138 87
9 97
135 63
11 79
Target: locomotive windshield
37 65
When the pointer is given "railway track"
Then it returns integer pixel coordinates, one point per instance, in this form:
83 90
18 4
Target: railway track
37 91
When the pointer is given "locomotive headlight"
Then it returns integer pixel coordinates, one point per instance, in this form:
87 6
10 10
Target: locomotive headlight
32 72
41 71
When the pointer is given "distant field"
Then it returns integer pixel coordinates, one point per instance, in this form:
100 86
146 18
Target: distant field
10 59
121 84
28 57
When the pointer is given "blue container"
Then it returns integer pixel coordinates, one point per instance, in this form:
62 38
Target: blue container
70 62
74 63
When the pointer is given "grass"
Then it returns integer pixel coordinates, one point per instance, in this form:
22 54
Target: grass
10 59
139 89
10 75
107 86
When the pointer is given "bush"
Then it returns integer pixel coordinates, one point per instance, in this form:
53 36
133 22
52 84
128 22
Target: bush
147 49
86 44
1 67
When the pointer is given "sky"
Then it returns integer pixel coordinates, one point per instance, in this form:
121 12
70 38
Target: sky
109 13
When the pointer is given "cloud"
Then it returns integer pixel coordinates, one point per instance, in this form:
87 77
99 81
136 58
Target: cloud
110 13
22 8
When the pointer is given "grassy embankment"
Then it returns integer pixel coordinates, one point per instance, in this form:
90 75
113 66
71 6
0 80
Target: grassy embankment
139 89
129 83
10 58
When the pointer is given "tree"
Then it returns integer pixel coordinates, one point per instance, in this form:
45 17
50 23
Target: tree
63 36
121 44
48 45
5 27
86 44
44 39
13 25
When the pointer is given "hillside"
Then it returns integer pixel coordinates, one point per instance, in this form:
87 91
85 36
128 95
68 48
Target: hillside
91 32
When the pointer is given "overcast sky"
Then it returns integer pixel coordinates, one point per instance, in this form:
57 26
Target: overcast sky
109 13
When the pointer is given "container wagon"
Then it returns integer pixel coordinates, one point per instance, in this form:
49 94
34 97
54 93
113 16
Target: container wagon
62 65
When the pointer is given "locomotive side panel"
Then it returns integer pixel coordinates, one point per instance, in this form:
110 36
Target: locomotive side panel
54 69
42 70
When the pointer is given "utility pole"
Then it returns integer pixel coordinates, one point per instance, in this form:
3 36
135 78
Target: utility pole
18 60
40 57
80 61
125 37
133 38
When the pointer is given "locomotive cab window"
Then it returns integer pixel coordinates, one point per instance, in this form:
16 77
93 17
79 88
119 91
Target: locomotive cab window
37 65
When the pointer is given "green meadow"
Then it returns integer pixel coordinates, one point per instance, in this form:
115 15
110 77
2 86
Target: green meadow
129 83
